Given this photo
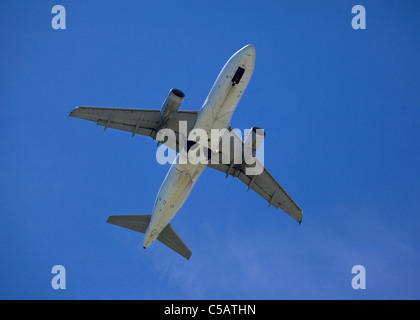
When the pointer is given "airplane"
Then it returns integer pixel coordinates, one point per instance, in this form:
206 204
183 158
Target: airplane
216 113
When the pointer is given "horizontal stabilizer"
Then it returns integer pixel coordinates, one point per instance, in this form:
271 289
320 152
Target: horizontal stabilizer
169 238
137 223
140 223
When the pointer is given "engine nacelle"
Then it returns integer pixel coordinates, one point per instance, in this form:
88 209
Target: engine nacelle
253 141
171 104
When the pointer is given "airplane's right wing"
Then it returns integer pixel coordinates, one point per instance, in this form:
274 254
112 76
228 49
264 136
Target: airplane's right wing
266 186
136 121
262 183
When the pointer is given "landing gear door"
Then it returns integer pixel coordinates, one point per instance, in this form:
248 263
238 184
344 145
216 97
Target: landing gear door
238 76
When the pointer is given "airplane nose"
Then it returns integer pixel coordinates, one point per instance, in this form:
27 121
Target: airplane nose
247 51
250 49
247 54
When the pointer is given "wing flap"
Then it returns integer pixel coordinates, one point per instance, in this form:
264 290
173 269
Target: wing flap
144 131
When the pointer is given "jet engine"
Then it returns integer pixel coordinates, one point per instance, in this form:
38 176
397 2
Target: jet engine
253 141
171 104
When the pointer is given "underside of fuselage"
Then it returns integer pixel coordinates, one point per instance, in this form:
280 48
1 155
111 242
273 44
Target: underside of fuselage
216 113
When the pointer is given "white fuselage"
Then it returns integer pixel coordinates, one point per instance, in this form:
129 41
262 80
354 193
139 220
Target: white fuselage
216 113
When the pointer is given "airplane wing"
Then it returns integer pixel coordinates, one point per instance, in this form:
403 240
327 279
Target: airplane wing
146 122
136 121
264 184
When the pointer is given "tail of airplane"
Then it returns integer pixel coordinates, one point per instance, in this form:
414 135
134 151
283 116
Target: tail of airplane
140 223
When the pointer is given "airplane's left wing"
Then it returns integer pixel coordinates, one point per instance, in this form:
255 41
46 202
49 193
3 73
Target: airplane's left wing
136 121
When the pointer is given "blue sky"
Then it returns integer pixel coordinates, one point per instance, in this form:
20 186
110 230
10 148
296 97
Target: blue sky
341 109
